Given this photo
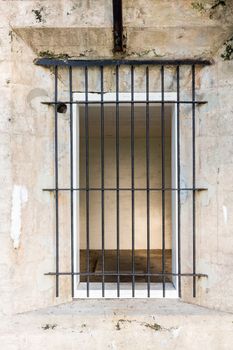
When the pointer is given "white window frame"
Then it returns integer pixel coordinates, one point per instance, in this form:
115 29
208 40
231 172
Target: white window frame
95 290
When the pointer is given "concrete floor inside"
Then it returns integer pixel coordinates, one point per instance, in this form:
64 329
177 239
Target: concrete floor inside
110 264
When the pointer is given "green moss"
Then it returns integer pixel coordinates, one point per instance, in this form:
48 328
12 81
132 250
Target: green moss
227 55
49 54
121 321
209 9
198 6
154 326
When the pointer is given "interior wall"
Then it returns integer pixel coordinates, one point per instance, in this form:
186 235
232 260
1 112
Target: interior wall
125 181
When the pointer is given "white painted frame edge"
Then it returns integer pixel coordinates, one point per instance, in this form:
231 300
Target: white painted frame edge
125 293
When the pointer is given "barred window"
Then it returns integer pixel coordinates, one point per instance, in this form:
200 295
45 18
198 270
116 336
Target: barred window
132 176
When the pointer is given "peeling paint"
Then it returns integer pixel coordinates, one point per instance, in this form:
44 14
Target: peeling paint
19 198
225 214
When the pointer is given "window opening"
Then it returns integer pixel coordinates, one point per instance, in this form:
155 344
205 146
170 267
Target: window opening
125 183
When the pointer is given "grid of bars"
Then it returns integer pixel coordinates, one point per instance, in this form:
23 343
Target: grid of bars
100 65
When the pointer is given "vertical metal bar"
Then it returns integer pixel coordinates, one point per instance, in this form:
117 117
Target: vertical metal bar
56 183
87 181
148 178
117 25
178 178
132 180
102 178
163 178
194 178
71 184
117 183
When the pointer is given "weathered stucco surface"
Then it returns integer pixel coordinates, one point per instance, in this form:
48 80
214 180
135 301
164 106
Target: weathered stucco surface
168 29
91 324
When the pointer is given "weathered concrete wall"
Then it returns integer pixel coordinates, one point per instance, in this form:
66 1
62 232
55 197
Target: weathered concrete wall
168 29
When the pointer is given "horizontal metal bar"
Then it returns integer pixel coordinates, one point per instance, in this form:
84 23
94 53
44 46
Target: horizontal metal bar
112 62
125 274
126 189
123 102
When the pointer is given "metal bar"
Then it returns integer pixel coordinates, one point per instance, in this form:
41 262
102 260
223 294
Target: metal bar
126 189
163 178
125 274
102 177
194 179
71 184
147 102
124 102
117 182
178 179
117 25
56 183
148 178
132 179
87 180
109 62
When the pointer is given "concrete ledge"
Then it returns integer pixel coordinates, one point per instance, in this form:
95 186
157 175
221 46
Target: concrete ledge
119 324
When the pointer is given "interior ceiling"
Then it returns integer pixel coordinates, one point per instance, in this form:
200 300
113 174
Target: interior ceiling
94 114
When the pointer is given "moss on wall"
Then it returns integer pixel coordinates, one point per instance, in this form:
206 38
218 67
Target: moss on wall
39 14
50 54
209 7
227 54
